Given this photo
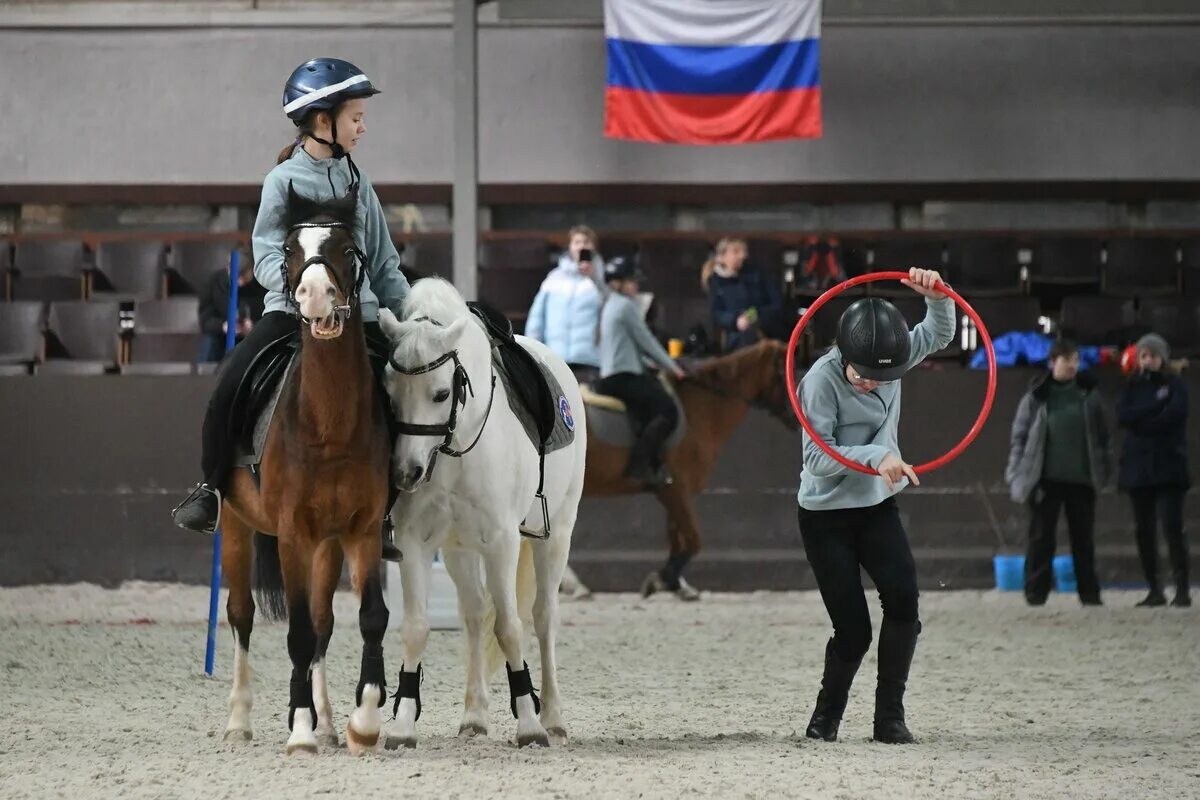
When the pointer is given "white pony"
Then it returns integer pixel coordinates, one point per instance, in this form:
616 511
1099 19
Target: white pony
469 476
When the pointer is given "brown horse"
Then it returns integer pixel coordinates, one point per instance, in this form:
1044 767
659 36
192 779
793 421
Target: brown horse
716 398
322 492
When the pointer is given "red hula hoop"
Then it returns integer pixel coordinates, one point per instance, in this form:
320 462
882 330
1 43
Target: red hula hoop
871 278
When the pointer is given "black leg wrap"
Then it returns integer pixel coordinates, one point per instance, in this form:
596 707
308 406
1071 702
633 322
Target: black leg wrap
408 685
519 684
372 672
302 697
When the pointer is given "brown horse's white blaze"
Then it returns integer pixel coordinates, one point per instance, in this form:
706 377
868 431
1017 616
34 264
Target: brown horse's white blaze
316 293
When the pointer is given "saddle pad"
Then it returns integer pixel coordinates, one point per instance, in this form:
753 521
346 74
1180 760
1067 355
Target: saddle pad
608 421
563 432
249 453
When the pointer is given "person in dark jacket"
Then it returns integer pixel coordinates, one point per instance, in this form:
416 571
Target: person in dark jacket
744 301
1153 467
1058 458
214 307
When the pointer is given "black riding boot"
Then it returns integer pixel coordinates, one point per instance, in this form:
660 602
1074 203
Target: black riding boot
831 700
201 511
645 459
897 643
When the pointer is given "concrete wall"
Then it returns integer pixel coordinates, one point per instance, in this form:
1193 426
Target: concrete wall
93 466
903 103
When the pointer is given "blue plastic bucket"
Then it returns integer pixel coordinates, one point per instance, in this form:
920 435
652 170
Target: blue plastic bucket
1064 574
1010 573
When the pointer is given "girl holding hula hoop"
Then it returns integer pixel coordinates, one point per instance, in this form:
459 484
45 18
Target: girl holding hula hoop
848 519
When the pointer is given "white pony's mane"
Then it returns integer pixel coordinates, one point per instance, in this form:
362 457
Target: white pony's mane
431 307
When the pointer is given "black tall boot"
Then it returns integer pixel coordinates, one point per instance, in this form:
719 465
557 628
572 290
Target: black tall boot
897 643
645 457
200 511
831 700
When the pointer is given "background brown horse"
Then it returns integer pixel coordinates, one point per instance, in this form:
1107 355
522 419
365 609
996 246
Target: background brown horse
323 491
715 398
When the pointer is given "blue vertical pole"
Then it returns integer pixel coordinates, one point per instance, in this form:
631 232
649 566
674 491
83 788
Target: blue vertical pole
214 591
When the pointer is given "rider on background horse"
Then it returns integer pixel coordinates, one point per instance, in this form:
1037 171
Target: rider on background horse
322 97
625 344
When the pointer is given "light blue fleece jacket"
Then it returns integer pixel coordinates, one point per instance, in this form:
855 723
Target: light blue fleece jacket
565 312
626 340
862 427
311 177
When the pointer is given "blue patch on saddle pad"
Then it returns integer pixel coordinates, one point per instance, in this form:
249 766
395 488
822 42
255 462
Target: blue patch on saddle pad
564 410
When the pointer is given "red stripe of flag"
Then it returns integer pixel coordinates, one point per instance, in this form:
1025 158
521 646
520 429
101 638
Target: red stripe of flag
712 119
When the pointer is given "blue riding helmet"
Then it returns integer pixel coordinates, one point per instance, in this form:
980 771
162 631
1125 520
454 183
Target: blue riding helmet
322 84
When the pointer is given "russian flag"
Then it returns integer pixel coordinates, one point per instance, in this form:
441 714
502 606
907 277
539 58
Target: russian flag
713 71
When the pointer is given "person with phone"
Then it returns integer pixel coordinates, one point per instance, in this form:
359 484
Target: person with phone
744 300
566 310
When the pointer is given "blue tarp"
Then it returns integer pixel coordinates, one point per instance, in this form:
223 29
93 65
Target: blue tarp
1030 347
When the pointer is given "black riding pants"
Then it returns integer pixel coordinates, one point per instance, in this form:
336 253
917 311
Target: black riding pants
643 395
1151 504
218 441
837 543
1079 502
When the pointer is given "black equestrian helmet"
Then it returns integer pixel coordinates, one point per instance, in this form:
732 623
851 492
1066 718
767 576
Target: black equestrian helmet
872 337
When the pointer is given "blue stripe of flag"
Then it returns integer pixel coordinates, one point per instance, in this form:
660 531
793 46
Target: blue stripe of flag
707 70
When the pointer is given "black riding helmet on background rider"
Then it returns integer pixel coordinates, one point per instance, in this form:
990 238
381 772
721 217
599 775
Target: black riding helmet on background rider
873 338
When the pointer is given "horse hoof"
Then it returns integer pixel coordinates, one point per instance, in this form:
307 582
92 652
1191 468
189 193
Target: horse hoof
360 743
534 740
302 748
558 735
472 729
396 742
237 735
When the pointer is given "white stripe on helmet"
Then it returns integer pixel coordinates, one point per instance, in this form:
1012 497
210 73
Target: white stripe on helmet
314 96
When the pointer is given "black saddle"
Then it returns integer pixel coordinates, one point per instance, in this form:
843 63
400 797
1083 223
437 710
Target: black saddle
258 386
525 376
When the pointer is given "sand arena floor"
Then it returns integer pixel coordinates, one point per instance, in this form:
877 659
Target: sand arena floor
108 699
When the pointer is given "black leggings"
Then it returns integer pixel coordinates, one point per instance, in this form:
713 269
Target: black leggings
218 439
643 395
1150 504
836 544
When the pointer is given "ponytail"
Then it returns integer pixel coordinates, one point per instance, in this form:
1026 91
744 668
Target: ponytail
288 151
706 273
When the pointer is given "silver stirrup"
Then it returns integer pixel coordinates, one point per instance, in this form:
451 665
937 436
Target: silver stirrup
203 488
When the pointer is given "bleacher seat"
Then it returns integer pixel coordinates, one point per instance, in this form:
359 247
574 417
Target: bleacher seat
1097 320
1176 319
515 253
192 263
5 269
128 270
901 255
49 270
1004 315
166 332
673 266
1140 267
21 324
1189 266
985 267
1073 261
81 337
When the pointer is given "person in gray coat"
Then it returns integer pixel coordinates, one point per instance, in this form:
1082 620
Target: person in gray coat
1059 458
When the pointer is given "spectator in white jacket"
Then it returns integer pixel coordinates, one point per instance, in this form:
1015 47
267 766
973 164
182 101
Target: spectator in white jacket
566 310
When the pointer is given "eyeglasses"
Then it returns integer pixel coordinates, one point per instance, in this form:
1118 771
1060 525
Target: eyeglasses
859 380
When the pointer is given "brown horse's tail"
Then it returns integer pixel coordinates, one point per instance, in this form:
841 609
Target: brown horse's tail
268 577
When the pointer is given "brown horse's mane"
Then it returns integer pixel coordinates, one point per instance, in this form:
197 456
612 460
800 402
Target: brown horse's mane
725 373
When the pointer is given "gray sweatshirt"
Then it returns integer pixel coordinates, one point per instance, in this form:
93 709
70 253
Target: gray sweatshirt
861 427
311 178
625 339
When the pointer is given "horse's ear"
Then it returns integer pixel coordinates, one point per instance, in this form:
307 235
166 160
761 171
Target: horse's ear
455 331
345 208
299 207
390 325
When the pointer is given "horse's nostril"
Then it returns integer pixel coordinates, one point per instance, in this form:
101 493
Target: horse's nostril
331 292
415 473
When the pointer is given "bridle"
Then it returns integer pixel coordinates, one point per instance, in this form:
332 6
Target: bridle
341 313
460 389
